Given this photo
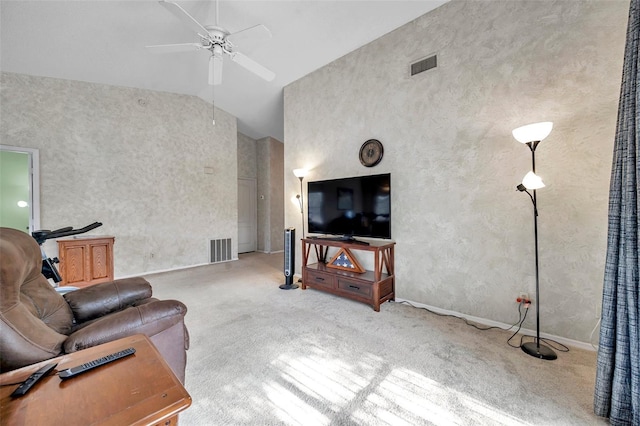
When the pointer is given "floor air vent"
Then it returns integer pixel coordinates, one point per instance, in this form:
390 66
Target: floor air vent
424 65
219 250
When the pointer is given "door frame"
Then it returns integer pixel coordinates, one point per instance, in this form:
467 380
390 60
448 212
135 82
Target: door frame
34 183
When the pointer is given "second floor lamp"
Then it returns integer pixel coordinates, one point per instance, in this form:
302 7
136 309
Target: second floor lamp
531 135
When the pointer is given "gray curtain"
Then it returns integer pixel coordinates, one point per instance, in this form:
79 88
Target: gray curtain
617 391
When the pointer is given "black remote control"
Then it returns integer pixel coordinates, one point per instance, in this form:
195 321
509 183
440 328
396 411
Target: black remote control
72 372
32 380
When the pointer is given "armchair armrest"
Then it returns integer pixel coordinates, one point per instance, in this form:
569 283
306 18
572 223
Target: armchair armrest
148 319
101 299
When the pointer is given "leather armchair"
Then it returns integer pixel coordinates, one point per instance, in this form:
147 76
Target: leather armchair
37 323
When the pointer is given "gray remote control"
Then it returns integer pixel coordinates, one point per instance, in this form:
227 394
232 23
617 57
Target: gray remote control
72 372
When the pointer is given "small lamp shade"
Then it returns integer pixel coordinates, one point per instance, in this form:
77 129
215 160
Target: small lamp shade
532 181
300 173
533 132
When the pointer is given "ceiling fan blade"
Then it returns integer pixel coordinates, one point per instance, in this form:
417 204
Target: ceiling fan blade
215 70
257 32
184 16
172 48
253 66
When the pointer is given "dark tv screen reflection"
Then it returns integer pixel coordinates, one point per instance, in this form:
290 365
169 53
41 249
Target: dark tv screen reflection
351 207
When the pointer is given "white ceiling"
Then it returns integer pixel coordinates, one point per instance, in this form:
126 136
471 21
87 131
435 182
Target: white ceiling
103 42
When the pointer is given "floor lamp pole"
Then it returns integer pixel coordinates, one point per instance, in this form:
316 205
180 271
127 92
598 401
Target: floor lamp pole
300 174
301 205
535 348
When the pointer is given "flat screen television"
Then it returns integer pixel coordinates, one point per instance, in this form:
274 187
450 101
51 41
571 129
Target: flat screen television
350 207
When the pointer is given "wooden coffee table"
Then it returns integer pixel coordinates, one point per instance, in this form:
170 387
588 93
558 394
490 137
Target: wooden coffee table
140 389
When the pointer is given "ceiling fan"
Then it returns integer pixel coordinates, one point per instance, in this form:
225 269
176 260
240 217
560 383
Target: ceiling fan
218 41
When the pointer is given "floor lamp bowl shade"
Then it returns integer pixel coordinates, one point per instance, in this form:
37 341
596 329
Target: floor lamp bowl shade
533 132
300 173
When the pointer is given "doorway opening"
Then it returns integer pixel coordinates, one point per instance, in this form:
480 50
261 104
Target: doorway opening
247 215
19 188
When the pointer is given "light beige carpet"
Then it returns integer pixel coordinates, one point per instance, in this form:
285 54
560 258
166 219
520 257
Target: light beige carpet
265 356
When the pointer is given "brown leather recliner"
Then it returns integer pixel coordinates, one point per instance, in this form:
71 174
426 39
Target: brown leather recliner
37 323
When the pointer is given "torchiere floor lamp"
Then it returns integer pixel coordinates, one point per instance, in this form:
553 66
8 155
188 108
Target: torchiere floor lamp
532 135
300 174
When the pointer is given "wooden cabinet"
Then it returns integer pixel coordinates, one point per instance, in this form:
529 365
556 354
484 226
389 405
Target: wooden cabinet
85 261
371 287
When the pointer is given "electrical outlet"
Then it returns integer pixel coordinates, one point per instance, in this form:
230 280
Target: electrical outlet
523 297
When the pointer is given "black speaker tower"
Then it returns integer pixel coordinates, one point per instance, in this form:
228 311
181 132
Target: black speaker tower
289 259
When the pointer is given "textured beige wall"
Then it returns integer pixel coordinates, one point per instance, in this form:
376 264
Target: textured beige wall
132 159
247 157
464 234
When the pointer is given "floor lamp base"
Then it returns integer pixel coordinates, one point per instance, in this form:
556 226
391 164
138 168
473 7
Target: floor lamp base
539 351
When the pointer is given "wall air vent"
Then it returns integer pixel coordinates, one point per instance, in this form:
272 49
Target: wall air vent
219 250
424 65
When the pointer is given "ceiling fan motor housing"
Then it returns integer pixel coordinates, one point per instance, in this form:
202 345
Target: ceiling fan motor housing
217 34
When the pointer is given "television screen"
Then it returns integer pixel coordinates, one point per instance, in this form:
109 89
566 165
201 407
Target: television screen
351 207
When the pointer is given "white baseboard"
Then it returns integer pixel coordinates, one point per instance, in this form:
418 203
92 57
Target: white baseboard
484 321
172 269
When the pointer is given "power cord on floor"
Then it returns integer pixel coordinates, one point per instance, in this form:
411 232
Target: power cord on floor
520 322
521 318
466 321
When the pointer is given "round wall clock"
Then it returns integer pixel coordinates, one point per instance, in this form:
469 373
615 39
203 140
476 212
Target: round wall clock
371 152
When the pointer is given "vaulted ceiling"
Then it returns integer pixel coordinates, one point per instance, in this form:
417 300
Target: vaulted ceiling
104 42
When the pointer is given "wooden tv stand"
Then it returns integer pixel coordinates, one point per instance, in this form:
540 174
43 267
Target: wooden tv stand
371 287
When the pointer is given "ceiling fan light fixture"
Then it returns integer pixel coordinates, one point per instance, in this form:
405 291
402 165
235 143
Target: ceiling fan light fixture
215 69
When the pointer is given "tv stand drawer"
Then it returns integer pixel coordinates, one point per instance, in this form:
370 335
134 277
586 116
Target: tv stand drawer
361 289
317 278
